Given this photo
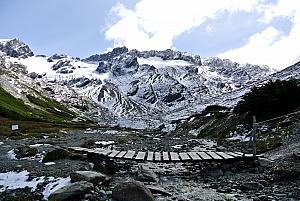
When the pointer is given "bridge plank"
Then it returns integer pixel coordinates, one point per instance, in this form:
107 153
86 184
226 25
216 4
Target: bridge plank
184 156
233 154
204 155
239 153
121 154
174 156
157 156
214 155
194 156
140 156
166 156
150 156
113 153
224 155
104 152
129 154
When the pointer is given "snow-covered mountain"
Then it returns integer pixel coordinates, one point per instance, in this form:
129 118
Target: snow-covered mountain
138 89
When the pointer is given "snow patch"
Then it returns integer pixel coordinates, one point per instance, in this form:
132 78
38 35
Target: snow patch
1 143
105 143
55 185
159 63
39 145
16 180
11 155
50 163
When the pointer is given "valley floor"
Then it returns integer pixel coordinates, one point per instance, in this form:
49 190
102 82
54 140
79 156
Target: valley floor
274 178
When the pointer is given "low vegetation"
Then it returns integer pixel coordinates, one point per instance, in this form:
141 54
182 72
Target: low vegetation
48 110
271 100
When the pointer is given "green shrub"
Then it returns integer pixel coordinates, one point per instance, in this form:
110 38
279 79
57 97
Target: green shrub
272 99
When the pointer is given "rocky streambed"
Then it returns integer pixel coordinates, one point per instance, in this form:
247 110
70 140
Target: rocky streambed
43 168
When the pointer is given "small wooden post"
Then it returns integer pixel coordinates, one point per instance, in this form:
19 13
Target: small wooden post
254 136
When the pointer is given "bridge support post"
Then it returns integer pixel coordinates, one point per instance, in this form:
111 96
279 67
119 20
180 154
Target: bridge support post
254 136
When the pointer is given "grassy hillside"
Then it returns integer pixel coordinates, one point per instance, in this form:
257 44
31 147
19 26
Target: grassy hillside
46 109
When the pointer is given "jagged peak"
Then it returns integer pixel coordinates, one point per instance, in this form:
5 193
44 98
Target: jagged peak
15 48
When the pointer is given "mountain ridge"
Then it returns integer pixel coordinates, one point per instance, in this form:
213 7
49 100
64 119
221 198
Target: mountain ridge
142 89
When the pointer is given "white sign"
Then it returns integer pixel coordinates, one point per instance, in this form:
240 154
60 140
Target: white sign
14 127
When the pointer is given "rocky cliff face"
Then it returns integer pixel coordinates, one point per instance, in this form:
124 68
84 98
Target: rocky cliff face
15 48
146 88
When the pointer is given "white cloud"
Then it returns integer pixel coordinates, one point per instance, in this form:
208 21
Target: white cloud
270 47
154 24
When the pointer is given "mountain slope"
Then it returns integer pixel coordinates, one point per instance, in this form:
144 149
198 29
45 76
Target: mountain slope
141 89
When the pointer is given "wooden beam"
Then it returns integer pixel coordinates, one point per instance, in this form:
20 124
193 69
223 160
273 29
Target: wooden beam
174 156
121 154
129 154
166 156
157 156
214 155
150 156
184 156
140 156
113 153
224 155
194 156
204 155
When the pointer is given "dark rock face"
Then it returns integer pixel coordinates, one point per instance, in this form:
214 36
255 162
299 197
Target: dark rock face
60 64
56 154
74 191
15 48
25 151
56 56
103 67
107 56
33 75
132 191
126 64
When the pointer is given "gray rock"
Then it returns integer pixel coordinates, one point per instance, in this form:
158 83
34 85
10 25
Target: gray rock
25 151
264 162
90 176
33 75
145 175
74 191
132 191
251 186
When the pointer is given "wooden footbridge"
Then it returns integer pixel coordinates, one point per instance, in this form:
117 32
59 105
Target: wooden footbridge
151 156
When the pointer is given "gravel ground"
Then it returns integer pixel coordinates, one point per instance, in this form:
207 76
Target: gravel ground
185 181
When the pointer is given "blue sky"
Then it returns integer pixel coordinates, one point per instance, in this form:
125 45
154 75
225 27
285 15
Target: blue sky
254 31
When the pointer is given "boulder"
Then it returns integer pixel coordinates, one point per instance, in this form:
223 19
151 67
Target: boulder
264 162
56 154
145 175
74 191
252 186
33 75
90 176
132 191
25 151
